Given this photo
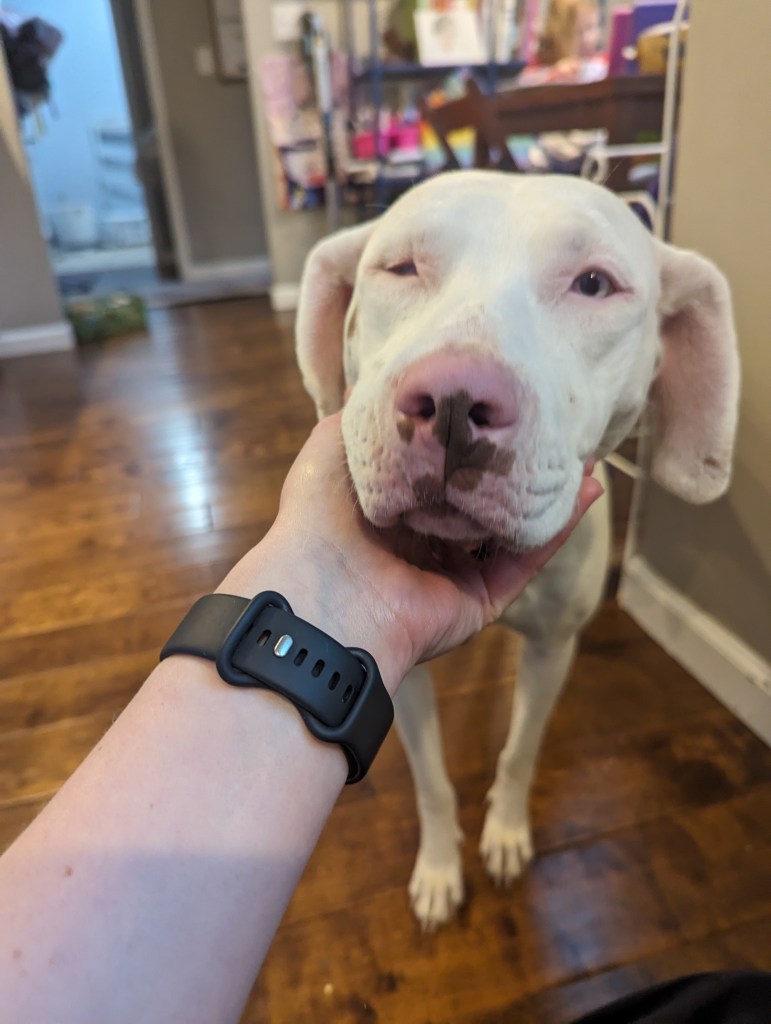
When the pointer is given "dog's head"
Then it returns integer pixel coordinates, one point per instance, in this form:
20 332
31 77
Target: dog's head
492 333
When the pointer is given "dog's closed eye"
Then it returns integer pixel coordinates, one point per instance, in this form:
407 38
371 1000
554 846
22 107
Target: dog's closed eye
404 268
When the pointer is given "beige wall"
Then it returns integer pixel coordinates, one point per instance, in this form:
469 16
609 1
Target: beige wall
290 235
211 133
28 295
720 556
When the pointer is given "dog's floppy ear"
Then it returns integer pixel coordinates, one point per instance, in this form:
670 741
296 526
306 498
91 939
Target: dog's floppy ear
696 392
325 291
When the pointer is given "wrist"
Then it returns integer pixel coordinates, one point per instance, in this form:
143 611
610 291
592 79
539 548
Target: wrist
322 589
257 727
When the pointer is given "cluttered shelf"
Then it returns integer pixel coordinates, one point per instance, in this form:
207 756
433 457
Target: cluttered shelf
485 130
365 127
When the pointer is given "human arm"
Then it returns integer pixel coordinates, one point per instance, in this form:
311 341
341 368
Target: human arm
151 886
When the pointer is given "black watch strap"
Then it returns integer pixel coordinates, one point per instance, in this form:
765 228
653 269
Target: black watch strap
337 690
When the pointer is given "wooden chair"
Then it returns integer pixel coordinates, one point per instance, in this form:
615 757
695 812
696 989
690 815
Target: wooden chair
628 108
468 111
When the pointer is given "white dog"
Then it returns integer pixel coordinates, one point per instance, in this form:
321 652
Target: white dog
494 334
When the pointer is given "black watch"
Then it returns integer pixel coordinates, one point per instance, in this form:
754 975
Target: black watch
338 690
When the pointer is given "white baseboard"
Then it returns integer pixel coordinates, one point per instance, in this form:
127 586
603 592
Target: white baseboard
26 341
257 269
724 664
284 297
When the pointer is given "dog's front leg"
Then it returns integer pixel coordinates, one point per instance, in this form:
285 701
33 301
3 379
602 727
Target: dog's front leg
436 886
506 844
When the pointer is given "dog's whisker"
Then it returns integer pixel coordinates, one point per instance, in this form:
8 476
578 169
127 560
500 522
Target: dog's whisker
612 168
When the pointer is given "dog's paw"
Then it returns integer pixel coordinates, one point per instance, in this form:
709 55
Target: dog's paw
506 849
436 891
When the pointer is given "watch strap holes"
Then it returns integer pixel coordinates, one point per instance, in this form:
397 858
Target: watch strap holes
300 657
263 638
348 693
317 669
334 680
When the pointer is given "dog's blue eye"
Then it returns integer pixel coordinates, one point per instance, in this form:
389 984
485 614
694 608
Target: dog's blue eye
594 284
406 268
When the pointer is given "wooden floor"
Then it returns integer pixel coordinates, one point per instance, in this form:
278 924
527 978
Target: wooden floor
132 474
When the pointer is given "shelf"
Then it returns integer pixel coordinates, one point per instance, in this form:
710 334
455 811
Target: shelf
404 71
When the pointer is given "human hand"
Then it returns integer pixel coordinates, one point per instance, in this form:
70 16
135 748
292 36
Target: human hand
403 598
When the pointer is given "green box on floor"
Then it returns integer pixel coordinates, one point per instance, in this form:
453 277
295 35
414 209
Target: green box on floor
106 316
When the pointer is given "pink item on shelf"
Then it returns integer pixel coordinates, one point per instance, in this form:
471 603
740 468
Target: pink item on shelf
363 146
406 135
620 37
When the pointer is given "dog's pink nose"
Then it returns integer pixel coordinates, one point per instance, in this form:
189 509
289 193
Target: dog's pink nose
460 413
448 391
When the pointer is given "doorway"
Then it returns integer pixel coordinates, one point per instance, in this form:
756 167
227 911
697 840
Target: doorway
90 151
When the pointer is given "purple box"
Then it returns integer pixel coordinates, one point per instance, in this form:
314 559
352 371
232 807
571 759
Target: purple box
648 13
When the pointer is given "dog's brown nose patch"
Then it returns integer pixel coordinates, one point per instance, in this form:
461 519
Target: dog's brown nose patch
466 459
405 428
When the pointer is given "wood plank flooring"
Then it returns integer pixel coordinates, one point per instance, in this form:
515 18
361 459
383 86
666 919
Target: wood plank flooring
132 474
